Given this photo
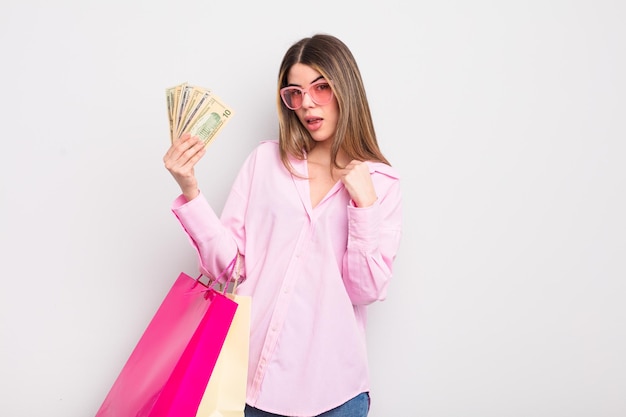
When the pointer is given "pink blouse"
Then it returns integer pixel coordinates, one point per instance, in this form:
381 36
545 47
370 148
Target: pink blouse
311 273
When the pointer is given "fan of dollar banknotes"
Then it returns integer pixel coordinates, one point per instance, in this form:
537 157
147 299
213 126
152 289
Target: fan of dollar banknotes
196 110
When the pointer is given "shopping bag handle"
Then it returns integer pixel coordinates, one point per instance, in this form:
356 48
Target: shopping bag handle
237 271
233 269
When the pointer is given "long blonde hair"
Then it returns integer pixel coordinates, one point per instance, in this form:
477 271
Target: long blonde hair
355 133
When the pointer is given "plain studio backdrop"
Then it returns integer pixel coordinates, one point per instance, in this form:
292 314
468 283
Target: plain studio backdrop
506 121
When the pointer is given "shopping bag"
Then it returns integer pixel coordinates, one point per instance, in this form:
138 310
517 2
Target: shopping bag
225 394
168 370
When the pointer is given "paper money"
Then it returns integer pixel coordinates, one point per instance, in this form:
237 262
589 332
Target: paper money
196 110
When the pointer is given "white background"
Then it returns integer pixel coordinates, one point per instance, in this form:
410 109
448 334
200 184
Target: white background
505 119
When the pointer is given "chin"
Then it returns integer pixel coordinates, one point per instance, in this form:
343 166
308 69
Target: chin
320 138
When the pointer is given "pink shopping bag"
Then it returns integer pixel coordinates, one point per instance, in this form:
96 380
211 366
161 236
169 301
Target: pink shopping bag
169 368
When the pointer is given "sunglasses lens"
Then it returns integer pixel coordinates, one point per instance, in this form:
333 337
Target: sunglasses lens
292 97
321 93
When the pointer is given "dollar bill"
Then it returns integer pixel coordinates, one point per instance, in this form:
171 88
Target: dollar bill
196 110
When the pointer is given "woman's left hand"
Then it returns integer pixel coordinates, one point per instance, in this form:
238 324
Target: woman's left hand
358 181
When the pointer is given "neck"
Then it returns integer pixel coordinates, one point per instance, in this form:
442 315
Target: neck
321 154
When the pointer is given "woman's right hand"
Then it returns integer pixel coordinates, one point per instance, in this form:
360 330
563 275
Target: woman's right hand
180 161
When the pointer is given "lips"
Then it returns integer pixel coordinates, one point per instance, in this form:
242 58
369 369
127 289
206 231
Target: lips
314 123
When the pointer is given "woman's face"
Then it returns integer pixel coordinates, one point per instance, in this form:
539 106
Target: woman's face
319 119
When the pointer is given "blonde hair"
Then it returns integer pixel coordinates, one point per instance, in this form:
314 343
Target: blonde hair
355 133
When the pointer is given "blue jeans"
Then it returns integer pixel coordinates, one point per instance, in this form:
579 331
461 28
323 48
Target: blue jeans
359 406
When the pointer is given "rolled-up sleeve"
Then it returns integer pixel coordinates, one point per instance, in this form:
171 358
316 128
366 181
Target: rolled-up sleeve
214 243
374 235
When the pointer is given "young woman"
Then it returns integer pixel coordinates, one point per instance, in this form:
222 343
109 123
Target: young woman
315 218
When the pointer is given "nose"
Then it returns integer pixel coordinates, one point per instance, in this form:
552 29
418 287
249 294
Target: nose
307 101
